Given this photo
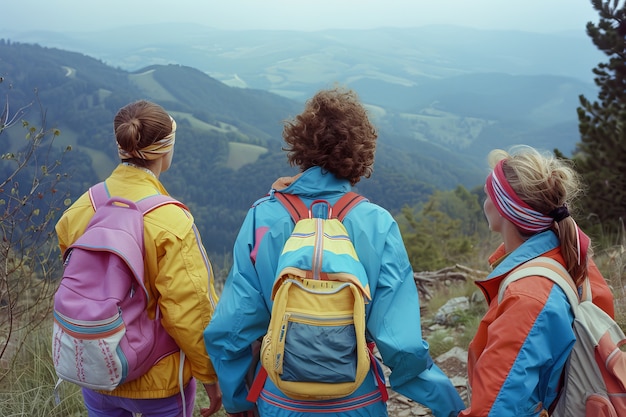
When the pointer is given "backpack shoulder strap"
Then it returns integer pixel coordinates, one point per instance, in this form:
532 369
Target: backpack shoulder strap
346 203
146 205
98 195
298 210
294 205
548 268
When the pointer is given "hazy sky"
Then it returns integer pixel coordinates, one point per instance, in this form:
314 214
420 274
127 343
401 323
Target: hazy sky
80 15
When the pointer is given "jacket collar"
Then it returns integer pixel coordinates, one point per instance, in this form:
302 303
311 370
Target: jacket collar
537 245
127 174
315 182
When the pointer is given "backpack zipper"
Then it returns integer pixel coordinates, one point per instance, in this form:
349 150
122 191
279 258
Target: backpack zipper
318 249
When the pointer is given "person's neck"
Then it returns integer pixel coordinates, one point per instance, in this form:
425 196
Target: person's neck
511 237
152 169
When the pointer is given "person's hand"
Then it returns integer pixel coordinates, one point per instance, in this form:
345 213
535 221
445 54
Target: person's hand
284 182
281 183
215 397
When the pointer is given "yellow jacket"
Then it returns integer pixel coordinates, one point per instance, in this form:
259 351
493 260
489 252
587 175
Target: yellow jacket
178 276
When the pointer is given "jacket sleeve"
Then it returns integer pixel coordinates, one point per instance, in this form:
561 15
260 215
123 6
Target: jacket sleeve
184 282
527 338
394 323
241 318
73 222
600 291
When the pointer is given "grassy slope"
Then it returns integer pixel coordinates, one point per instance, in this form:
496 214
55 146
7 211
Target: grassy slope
239 153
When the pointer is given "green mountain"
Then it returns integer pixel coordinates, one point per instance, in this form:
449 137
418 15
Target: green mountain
229 147
439 107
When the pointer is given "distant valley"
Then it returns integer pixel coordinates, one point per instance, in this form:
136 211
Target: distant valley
441 97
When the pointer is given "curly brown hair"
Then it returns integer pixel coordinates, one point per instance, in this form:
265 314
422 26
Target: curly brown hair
334 133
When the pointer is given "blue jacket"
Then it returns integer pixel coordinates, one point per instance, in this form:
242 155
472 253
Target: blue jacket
393 315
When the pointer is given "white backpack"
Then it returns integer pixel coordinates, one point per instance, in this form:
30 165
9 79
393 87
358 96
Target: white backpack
595 373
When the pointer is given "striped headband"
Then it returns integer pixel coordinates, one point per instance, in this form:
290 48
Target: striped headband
511 206
154 150
515 210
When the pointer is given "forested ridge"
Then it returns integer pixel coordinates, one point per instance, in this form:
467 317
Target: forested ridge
80 96
229 139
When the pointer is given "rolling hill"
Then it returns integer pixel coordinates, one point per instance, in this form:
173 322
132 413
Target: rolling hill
435 126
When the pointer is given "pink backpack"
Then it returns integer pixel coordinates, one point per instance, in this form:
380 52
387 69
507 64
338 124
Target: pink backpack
102 335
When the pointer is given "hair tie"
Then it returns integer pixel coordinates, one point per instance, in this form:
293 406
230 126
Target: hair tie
559 213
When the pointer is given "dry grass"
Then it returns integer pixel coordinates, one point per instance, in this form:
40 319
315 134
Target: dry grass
27 389
612 263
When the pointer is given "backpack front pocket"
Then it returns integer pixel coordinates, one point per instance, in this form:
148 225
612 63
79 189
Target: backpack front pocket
599 406
318 349
87 353
315 346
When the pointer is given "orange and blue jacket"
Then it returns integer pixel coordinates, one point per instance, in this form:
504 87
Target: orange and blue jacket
517 356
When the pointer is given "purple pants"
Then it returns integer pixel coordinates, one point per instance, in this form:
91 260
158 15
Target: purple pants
102 405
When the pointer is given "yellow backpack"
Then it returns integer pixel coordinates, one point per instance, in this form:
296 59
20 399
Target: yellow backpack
315 345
